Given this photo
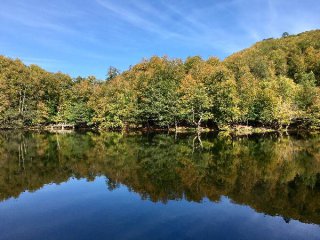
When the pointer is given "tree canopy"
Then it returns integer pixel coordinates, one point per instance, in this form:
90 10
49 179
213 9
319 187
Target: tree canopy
274 83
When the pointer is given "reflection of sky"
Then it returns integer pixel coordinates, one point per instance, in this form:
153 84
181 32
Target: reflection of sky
87 210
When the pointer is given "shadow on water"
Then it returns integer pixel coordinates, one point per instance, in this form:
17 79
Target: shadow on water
273 175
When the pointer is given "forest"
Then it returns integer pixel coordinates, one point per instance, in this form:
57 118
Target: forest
274 84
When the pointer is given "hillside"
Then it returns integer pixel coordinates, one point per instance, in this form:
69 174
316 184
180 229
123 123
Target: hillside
288 56
274 83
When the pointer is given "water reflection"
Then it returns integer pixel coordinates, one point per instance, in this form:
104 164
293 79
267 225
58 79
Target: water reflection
274 175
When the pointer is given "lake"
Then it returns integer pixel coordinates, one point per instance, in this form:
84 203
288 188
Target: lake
158 186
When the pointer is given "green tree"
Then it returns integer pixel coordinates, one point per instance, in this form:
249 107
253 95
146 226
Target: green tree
285 34
112 73
195 100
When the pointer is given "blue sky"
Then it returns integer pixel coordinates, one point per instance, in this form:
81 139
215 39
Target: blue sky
84 37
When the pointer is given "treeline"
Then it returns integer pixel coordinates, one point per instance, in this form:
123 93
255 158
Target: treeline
274 83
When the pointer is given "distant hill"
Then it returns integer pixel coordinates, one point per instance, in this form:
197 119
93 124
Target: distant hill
288 56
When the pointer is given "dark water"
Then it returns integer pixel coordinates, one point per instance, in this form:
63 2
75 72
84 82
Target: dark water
111 186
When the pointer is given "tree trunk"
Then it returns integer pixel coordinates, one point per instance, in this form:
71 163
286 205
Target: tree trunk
20 101
175 125
23 103
199 125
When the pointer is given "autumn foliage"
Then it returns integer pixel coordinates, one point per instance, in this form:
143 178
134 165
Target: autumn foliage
274 83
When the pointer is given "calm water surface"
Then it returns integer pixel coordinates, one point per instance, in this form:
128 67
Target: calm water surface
158 186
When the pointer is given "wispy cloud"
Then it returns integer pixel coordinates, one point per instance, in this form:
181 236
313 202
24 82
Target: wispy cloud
31 16
82 35
136 19
36 22
169 22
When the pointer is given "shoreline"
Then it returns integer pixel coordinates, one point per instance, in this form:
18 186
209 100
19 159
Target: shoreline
238 130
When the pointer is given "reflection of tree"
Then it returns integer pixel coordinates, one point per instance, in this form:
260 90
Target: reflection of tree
272 175
112 184
197 139
286 219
